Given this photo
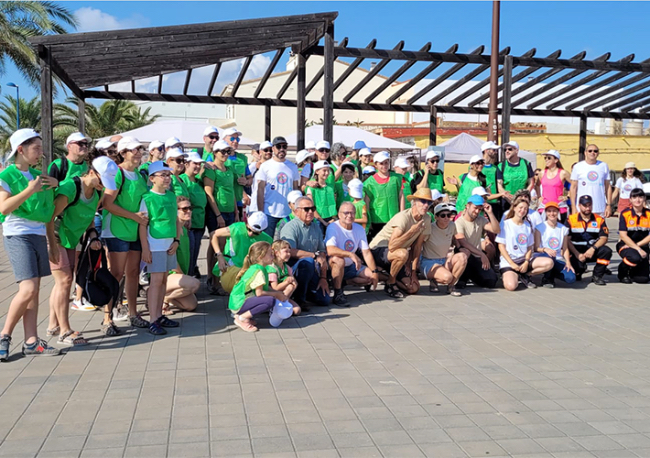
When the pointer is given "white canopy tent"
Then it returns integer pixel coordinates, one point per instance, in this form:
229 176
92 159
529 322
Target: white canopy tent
348 135
463 146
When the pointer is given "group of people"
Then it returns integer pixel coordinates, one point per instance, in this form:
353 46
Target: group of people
282 234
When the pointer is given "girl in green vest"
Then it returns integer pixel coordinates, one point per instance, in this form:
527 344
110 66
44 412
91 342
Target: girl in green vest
160 239
75 203
252 294
280 274
341 187
120 227
469 181
26 205
323 195
181 288
199 200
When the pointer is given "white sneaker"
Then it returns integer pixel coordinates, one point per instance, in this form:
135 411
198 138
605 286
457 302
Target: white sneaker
82 306
121 313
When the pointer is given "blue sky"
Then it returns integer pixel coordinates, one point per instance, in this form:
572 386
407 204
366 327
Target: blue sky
597 27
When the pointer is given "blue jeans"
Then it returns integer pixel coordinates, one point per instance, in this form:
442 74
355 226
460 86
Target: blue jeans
305 273
195 236
273 223
560 271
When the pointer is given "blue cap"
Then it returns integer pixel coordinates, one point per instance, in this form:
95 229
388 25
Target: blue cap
359 144
158 166
476 200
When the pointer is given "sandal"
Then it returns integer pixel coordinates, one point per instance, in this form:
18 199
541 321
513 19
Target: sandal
72 339
453 292
433 287
393 291
245 325
110 330
54 331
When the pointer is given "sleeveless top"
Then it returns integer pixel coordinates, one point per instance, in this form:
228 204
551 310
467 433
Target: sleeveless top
552 189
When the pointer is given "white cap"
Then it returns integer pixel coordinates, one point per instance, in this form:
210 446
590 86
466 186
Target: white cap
381 157
193 156
231 131
476 158
321 165
479 191
155 144
369 169
435 194
442 207
280 312
552 152
365 152
512 143
158 166
293 196
350 164
210 130
401 162
104 144
220 146
310 145
323 144
257 221
171 141
129 143
431 154
303 154
19 137
489 145
266 144
174 152
107 169
76 137
355 188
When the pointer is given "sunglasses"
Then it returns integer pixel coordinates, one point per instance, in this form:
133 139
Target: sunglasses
308 209
510 148
593 151
234 139
434 161
281 146
82 144
268 150
444 215
224 151
479 163
323 150
213 137
178 160
548 158
185 209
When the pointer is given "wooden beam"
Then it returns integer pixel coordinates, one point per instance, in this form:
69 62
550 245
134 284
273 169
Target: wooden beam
45 59
81 113
328 92
160 83
352 67
636 104
634 99
618 95
582 146
268 72
507 106
242 74
63 76
287 83
267 122
213 79
188 77
433 125
300 101
595 95
371 74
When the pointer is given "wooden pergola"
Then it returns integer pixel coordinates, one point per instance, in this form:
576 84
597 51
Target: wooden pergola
550 86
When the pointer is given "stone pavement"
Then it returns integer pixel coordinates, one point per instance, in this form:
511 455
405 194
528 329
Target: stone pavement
544 373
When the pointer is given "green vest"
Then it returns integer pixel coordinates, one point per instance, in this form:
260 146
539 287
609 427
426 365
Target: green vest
324 201
74 170
406 189
162 210
242 289
465 191
39 206
437 181
144 168
341 194
198 199
490 172
183 253
238 244
358 205
129 198
384 198
179 187
515 178
75 219
282 273
224 190
239 167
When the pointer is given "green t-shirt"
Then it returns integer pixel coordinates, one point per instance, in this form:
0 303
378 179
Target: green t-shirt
183 253
224 192
75 219
198 199
238 163
490 172
129 198
179 187
238 244
359 206
254 277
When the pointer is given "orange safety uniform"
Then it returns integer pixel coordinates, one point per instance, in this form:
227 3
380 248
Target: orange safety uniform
634 267
583 235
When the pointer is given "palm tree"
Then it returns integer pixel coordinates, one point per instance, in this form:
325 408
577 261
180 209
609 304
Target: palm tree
22 20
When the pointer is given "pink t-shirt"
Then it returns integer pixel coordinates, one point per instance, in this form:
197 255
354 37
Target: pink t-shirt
552 189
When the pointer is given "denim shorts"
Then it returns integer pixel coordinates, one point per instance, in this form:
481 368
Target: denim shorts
352 272
427 264
116 245
28 256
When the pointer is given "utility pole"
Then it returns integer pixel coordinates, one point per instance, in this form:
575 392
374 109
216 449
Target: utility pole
493 122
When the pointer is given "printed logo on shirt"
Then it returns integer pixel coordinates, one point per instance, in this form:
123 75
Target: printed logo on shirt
349 245
631 222
282 178
594 224
592 176
522 239
554 243
627 187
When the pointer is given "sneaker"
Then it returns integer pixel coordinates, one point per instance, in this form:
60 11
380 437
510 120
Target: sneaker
4 347
156 329
340 299
138 322
121 313
598 281
548 283
143 278
40 348
166 322
527 282
626 280
82 306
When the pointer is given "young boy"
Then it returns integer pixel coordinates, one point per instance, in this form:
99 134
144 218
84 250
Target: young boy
160 239
356 192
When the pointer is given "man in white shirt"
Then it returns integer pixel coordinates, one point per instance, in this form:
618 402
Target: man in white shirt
342 239
275 180
265 154
591 177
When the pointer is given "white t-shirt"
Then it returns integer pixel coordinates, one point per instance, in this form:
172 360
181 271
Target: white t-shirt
553 237
106 222
155 244
346 239
534 216
517 239
591 181
15 225
306 171
279 178
627 185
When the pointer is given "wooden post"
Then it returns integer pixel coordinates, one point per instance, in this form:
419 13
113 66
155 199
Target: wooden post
507 97
81 122
493 119
300 105
46 104
583 137
267 122
328 93
433 125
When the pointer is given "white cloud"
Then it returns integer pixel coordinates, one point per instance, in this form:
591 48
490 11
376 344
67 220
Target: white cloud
94 20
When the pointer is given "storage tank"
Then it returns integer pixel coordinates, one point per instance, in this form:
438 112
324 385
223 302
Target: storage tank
634 127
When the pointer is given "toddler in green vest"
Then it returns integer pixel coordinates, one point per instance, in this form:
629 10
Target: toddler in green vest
160 239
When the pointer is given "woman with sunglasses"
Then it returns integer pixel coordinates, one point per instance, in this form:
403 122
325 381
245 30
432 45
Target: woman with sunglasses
176 159
323 195
431 177
156 153
552 184
469 181
238 162
199 200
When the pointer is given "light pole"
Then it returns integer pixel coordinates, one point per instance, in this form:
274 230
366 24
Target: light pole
493 123
17 104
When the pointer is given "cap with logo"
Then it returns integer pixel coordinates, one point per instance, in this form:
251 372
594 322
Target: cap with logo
381 157
280 312
512 143
355 188
432 153
323 145
77 137
264 145
128 143
158 166
321 165
220 145
402 163
368 169
586 200
257 221
231 131
553 152
107 169
172 141
443 207
104 144
174 152
194 156
476 158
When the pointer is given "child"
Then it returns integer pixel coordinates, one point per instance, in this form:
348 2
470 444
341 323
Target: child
342 187
323 195
280 274
356 192
160 239
251 294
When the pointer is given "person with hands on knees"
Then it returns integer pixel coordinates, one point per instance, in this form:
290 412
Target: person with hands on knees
344 239
160 239
634 231
551 239
516 241
252 294
280 274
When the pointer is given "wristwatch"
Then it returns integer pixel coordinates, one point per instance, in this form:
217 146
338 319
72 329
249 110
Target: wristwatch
177 241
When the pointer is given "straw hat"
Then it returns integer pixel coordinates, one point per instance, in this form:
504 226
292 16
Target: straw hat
422 194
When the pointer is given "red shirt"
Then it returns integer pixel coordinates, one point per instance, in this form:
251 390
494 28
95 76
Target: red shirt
381 180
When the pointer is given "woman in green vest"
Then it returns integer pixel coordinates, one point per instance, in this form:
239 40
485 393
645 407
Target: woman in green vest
323 195
181 287
431 177
156 153
341 187
120 226
513 174
176 160
199 200
238 162
474 178
26 205
384 193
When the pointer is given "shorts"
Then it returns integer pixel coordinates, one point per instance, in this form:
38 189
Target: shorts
351 271
161 262
116 245
427 264
380 255
67 259
28 256
211 219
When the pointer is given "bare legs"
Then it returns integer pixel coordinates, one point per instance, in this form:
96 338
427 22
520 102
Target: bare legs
24 305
